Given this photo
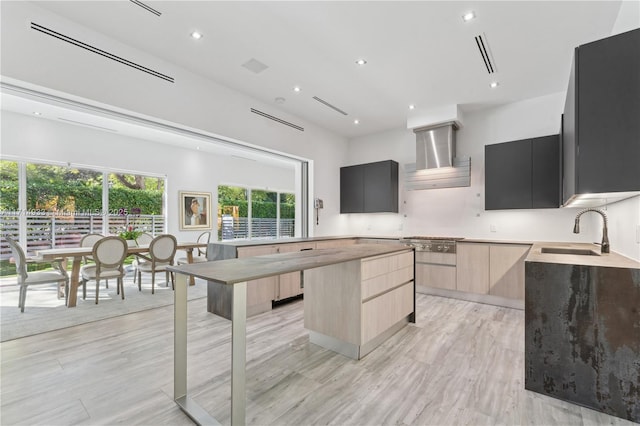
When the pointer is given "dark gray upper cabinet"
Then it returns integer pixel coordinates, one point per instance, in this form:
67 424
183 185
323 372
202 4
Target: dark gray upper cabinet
523 174
545 178
369 188
601 136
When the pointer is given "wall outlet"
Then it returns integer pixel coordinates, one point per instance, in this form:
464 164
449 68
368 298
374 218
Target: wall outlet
492 228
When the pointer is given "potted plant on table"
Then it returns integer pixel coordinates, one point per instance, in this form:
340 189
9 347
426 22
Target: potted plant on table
130 235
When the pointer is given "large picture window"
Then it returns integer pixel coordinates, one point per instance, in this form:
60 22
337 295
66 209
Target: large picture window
245 213
63 203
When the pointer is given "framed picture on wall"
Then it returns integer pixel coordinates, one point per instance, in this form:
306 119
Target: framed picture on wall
195 210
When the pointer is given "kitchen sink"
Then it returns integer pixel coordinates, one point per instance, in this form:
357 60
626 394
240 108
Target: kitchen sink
564 250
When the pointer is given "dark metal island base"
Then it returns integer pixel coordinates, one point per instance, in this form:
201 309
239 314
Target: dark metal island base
582 335
359 296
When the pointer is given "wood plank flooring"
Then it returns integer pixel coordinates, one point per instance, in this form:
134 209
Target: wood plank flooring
461 363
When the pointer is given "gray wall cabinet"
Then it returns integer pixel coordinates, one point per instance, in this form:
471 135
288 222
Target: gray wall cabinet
369 188
601 129
523 174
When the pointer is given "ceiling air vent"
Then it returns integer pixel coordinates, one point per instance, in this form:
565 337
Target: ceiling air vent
100 52
146 7
276 119
485 52
333 107
255 66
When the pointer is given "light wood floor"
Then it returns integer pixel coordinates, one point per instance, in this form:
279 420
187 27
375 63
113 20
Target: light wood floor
461 363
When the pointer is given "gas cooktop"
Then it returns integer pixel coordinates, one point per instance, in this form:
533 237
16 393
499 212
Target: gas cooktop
421 237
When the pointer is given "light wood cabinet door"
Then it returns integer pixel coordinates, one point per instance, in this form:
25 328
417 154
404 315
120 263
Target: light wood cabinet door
472 270
290 284
506 270
263 290
437 276
334 243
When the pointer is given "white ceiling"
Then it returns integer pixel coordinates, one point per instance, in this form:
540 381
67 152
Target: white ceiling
418 52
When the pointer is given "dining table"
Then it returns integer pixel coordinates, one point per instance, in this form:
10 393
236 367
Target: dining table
77 253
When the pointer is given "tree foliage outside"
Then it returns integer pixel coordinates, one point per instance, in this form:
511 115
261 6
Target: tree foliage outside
264 203
56 188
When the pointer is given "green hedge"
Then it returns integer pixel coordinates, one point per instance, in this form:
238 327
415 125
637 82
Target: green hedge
261 209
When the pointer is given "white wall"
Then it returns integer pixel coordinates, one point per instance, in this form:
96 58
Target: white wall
186 169
459 212
192 101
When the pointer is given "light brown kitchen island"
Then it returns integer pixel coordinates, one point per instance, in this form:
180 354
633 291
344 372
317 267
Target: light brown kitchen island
355 298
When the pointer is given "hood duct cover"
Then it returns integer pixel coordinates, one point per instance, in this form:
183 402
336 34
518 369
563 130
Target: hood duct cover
435 146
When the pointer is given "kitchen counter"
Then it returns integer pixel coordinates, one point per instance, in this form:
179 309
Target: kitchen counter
612 260
582 334
232 271
359 295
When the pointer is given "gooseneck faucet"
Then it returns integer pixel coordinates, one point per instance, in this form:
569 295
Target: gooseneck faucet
605 235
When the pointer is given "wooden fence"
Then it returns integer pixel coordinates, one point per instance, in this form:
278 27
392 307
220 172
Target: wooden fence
47 230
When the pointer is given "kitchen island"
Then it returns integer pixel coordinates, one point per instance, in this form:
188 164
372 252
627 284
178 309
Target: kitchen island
359 295
582 327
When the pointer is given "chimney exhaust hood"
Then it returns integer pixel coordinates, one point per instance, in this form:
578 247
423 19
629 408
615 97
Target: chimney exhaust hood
435 145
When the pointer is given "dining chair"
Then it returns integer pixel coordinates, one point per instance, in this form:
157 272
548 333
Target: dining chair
109 254
88 241
25 279
143 239
201 255
162 251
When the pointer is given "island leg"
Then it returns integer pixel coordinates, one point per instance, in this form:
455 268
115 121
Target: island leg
238 353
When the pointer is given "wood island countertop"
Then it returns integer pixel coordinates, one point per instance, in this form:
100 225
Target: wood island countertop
232 271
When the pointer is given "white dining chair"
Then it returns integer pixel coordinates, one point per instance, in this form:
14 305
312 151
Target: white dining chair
162 251
25 279
109 254
201 254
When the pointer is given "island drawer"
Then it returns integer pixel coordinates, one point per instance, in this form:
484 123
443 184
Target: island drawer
380 313
381 283
380 265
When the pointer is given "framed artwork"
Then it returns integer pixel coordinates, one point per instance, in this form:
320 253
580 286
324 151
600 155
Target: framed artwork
195 210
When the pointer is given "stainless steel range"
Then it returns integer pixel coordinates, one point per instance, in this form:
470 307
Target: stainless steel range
435 262
432 244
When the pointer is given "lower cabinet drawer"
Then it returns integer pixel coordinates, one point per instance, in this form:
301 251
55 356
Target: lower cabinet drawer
379 265
382 283
382 312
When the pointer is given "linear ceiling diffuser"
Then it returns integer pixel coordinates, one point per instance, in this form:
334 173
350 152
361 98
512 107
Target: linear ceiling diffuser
100 52
276 119
333 107
485 53
146 7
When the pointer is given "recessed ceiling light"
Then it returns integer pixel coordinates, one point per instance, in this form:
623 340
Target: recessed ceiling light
412 106
37 113
494 84
468 16
198 148
361 62
196 35
356 121
296 89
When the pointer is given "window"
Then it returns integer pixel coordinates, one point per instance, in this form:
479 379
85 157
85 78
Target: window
60 204
287 218
136 201
63 203
254 213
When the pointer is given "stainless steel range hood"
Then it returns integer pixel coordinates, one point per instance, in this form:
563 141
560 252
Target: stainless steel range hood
435 146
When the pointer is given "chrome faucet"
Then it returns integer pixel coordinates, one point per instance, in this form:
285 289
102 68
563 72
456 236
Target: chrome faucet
605 237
